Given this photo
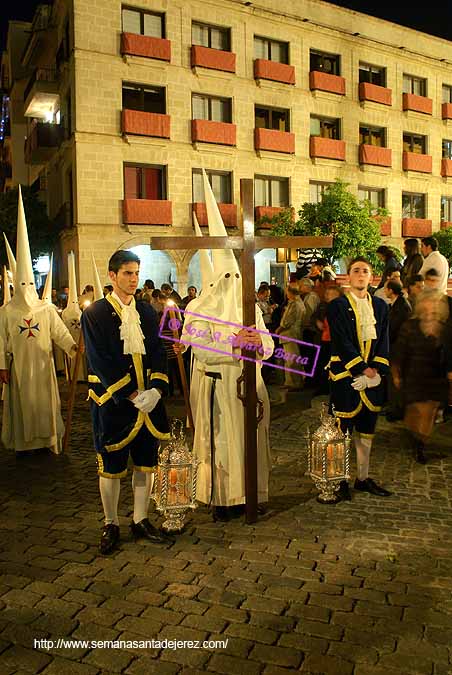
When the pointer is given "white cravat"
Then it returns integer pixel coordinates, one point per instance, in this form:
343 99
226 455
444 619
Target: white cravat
366 318
130 329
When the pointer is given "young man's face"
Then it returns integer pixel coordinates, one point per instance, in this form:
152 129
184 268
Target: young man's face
417 288
432 282
395 276
192 292
425 250
126 280
360 276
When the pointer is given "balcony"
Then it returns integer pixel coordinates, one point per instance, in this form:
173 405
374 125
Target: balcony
42 36
327 148
207 131
273 70
375 155
375 93
335 84
41 95
228 213
6 170
446 111
266 212
64 217
416 227
42 142
385 224
144 45
446 168
445 224
412 161
417 103
275 141
147 212
216 59
145 124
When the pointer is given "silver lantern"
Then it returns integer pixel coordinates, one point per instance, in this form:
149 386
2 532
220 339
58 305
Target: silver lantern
175 489
328 457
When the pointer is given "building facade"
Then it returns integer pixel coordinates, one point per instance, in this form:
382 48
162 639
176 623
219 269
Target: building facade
123 103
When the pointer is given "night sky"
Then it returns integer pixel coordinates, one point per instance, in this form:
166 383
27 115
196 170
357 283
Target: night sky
435 17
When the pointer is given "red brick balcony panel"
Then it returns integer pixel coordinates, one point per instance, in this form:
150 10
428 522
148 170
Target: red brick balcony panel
416 227
446 111
328 148
445 224
277 141
272 70
208 131
446 167
144 45
372 154
375 93
228 213
412 161
145 124
147 212
216 59
385 223
327 82
417 103
268 212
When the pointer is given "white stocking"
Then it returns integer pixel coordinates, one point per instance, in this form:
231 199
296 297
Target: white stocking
109 492
363 448
142 483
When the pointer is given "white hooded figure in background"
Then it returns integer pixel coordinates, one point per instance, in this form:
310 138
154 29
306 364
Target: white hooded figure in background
31 412
219 421
72 314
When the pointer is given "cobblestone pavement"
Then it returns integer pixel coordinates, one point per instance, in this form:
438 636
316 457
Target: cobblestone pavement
361 587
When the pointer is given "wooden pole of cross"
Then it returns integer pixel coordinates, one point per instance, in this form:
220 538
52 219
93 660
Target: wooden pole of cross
248 244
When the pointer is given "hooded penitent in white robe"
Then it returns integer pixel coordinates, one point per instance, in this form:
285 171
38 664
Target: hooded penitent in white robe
218 410
31 411
71 316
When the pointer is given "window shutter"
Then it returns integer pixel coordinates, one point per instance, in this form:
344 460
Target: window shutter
131 182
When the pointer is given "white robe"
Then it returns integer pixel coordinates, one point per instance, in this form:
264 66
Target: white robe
31 410
229 472
71 318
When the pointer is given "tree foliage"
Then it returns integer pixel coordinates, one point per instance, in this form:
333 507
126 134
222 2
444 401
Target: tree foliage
42 233
354 225
444 238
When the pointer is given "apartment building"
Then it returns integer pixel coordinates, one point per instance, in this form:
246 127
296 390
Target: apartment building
125 102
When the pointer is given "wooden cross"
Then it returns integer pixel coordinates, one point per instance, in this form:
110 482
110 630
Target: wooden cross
248 244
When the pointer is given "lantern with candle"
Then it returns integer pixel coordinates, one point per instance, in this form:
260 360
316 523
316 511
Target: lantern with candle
328 457
175 489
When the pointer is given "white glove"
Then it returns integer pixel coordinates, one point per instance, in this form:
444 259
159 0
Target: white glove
359 383
373 381
147 400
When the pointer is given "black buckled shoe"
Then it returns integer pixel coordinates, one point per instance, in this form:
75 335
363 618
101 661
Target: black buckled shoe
344 494
221 513
145 530
369 485
110 539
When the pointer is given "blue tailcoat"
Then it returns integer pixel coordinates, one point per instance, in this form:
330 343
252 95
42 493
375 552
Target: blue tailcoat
350 356
113 375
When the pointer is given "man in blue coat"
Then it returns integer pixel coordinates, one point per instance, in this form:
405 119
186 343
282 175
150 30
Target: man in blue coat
359 360
127 378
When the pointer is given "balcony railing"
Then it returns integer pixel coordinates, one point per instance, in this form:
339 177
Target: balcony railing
375 93
40 75
216 59
145 45
273 70
64 217
413 161
145 124
375 155
42 142
416 227
327 148
335 84
446 168
228 213
208 131
274 140
417 103
147 212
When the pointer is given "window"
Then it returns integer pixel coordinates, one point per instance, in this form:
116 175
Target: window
414 85
372 136
328 63
446 209
214 37
144 182
447 93
271 191
143 23
414 143
146 99
372 74
220 182
271 118
211 108
271 50
325 127
376 196
316 191
447 149
413 205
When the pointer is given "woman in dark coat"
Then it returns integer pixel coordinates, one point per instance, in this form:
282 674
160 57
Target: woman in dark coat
413 261
419 366
387 255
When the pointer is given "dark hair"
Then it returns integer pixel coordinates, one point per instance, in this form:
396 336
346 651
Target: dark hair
121 258
386 252
395 286
156 293
167 287
321 261
88 288
411 246
109 287
359 258
432 273
192 287
414 280
430 241
149 284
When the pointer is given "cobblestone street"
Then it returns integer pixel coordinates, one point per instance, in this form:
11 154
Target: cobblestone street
362 588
